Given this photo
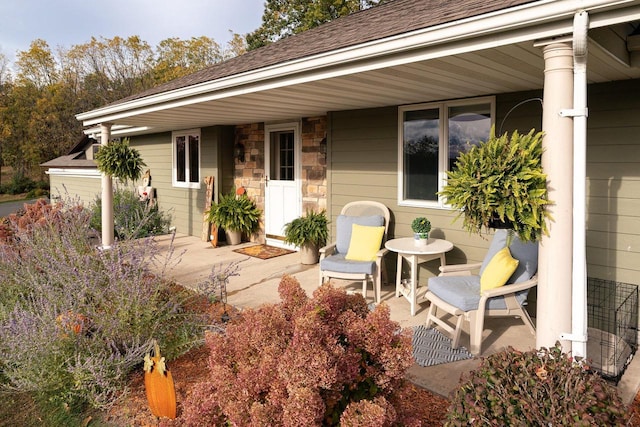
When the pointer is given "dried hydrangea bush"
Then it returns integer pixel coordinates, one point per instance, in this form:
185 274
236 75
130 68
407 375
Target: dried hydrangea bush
324 360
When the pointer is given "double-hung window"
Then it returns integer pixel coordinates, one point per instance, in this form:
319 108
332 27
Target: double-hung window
431 136
186 158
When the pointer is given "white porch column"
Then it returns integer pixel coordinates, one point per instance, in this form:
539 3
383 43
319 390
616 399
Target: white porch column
555 258
107 194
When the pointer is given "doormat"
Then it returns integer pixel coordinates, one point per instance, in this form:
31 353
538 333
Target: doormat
263 251
430 348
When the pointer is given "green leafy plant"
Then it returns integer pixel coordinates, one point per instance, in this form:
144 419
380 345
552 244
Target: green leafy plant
502 179
322 360
132 218
421 226
308 229
236 213
537 387
119 160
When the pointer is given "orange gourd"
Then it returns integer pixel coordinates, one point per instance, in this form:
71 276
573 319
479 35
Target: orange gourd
158 383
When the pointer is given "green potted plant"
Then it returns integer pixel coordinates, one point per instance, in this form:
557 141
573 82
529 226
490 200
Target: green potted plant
309 233
421 227
237 214
500 184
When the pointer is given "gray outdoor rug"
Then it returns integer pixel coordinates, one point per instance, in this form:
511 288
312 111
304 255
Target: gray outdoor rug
430 348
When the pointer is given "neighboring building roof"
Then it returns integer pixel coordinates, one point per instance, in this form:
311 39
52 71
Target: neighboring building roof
386 20
76 158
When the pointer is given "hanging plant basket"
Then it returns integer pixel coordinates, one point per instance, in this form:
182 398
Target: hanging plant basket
118 160
500 224
500 184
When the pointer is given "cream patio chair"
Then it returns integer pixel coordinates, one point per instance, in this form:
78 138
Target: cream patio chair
456 290
361 230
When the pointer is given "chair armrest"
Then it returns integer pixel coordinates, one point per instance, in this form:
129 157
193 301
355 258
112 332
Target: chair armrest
457 269
510 289
327 250
382 252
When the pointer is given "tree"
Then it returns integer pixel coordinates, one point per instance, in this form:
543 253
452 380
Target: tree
38 106
37 65
283 18
176 58
235 47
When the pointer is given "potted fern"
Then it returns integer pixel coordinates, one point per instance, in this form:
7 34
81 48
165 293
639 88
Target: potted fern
119 160
500 183
237 214
309 233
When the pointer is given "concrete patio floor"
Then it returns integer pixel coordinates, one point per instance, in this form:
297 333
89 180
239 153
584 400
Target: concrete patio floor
258 281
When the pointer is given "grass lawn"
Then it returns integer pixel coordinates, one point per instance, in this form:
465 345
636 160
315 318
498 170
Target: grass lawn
11 197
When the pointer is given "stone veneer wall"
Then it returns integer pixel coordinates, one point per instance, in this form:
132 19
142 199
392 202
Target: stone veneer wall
250 174
314 164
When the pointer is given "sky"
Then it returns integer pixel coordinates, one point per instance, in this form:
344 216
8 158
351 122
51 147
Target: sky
65 23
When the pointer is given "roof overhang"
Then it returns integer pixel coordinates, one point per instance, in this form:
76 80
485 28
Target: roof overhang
390 71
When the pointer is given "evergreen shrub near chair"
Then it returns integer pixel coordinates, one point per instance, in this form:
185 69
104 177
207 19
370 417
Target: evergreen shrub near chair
537 387
320 360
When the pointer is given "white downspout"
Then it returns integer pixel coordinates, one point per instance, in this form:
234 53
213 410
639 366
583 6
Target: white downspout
579 114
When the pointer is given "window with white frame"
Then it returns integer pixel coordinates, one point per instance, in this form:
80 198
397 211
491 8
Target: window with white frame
186 158
431 137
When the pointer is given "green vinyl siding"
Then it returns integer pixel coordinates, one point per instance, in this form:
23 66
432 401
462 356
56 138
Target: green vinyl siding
83 189
363 165
613 182
186 206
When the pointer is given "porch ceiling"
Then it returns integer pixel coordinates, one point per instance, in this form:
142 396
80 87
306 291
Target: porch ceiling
511 68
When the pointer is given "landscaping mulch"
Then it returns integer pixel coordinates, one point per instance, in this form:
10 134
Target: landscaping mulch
192 368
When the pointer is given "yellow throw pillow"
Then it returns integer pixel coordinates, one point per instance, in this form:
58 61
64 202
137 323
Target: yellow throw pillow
365 242
498 271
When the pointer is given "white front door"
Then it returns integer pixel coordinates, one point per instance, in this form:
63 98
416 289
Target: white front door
282 181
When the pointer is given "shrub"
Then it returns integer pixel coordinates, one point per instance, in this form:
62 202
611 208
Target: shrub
20 183
132 218
75 320
545 387
306 361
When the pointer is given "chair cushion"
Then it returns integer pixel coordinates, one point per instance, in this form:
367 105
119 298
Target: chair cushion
498 271
464 292
344 225
338 263
525 253
365 242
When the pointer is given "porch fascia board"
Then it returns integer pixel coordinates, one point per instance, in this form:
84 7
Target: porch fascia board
530 21
74 172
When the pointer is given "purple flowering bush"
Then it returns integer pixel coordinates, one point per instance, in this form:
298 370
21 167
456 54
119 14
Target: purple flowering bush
324 360
74 320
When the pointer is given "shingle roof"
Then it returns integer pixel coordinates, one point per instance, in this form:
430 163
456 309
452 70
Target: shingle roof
75 158
389 19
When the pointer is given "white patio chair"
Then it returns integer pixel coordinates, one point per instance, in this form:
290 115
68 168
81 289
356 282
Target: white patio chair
456 291
361 259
